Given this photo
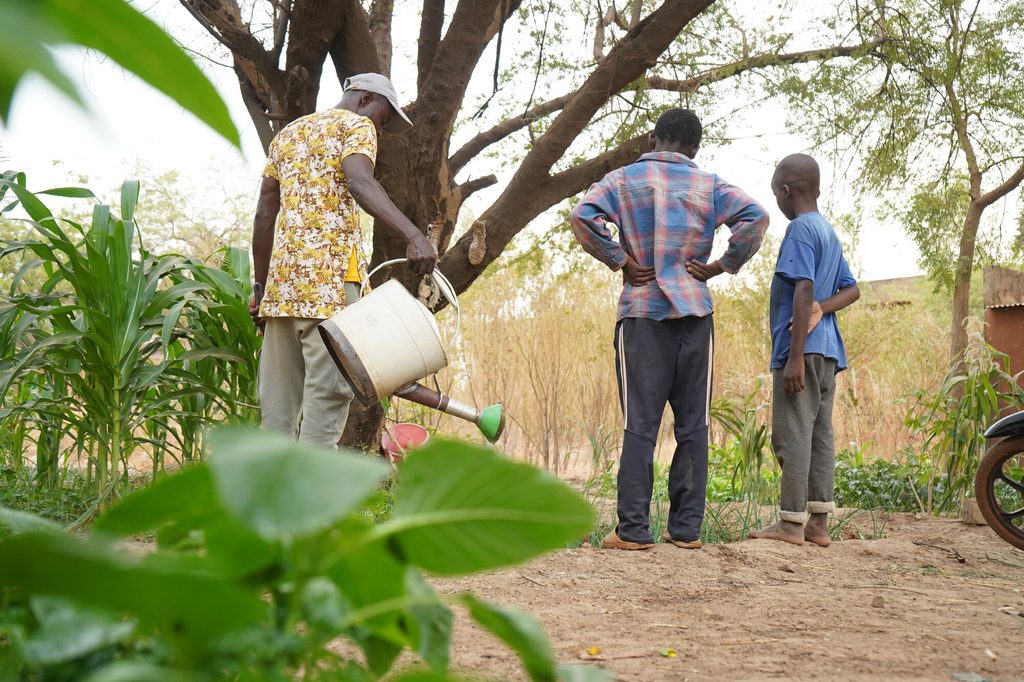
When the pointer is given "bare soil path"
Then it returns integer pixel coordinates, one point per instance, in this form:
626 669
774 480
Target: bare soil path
932 600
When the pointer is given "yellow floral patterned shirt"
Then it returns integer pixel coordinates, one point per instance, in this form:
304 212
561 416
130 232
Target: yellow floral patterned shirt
317 233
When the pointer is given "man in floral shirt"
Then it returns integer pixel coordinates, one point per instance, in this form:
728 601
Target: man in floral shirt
307 255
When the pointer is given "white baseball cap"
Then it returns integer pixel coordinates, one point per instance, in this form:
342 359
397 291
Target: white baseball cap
381 85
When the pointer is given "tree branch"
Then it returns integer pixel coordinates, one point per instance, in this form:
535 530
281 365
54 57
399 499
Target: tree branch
759 62
430 36
997 193
223 20
353 50
578 178
282 15
472 27
471 187
381 13
531 190
962 136
482 140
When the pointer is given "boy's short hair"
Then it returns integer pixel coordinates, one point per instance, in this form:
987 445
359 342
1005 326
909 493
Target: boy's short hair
679 125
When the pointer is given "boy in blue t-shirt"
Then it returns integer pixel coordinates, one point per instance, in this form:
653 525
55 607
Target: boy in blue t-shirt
812 281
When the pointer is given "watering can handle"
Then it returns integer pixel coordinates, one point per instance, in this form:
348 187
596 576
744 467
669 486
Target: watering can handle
439 280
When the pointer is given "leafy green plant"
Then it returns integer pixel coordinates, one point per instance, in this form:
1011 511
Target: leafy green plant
264 556
953 419
749 451
900 484
114 28
19 489
120 349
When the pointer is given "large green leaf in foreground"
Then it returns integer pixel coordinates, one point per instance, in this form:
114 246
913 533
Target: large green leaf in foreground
282 489
114 28
184 606
463 508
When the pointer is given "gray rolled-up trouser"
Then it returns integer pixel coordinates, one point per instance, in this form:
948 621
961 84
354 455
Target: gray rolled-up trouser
659 362
302 392
803 440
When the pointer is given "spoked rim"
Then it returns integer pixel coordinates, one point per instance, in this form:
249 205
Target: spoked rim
999 486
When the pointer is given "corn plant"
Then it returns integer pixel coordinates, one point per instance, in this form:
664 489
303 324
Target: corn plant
103 353
750 441
264 557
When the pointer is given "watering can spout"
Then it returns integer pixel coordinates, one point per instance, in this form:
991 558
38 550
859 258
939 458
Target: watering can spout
490 420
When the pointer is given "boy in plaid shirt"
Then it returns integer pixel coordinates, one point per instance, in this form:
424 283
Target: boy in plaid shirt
666 210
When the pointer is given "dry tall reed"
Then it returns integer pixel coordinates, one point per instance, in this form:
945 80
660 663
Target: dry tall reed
542 344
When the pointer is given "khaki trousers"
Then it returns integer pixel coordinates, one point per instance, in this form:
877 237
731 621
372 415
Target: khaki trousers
302 392
803 440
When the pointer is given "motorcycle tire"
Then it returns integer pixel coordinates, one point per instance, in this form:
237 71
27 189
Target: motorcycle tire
1007 523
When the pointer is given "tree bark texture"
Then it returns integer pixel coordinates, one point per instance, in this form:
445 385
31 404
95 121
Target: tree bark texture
962 281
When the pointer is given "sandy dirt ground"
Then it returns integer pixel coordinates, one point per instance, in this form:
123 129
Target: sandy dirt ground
933 600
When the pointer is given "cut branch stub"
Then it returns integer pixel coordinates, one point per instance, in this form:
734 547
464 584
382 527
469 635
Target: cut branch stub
478 244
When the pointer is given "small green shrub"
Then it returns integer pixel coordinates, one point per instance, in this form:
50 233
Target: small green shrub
952 420
265 555
20 490
901 484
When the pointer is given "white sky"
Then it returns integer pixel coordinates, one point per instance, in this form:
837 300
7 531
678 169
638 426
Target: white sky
128 123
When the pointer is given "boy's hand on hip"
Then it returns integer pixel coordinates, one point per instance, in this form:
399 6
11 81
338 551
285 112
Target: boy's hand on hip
793 374
635 274
702 272
816 315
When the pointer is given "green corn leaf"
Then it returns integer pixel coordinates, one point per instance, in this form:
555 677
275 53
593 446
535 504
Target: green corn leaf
114 28
134 671
23 34
431 623
13 522
69 192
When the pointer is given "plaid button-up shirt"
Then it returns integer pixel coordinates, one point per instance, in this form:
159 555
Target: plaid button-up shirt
667 211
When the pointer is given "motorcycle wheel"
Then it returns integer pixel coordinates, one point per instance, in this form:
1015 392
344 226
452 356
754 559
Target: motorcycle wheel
999 488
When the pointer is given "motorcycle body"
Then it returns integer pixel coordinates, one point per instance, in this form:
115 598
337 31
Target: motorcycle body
999 483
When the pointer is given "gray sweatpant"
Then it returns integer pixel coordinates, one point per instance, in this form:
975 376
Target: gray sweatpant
658 362
803 440
302 392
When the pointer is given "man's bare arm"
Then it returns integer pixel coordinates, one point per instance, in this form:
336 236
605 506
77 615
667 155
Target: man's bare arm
267 207
369 194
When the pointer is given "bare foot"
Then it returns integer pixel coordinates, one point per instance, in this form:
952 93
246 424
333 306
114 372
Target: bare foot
786 531
816 530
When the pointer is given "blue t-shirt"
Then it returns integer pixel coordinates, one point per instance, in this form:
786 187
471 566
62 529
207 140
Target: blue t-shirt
810 250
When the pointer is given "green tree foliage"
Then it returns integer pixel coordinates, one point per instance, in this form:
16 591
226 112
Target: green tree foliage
113 28
936 120
264 556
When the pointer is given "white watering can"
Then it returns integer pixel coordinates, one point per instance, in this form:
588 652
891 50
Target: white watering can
387 341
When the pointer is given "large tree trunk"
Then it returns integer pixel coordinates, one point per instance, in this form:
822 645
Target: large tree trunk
962 282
